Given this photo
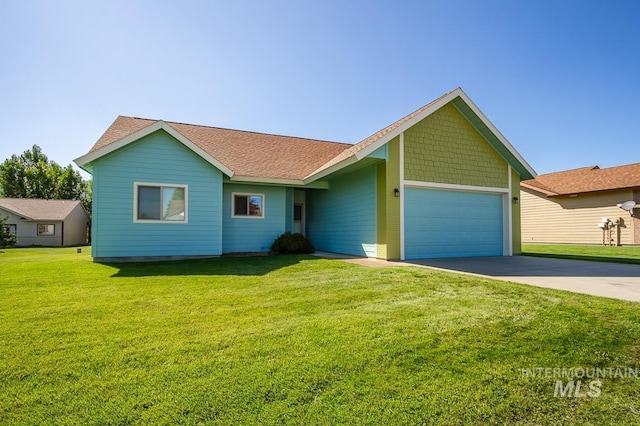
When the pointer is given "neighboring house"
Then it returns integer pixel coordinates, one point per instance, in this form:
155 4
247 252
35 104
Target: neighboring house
440 182
38 222
567 206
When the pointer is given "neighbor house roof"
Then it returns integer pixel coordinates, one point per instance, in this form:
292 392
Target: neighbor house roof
244 155
586 179
38 209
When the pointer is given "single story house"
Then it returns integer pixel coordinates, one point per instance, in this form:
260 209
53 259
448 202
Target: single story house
568 206
440 182
38 222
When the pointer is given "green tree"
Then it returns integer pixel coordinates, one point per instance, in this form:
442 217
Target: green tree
7 238
32 175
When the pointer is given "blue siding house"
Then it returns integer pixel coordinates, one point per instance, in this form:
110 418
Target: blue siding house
167 190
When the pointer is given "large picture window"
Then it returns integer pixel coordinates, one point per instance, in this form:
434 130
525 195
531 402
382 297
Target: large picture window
248 205
160 202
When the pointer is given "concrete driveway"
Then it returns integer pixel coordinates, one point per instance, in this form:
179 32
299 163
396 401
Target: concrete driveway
615 280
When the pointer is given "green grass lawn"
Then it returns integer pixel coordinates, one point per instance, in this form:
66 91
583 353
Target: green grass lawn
298 340
622 254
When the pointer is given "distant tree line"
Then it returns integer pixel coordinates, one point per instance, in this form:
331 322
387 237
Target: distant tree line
32 175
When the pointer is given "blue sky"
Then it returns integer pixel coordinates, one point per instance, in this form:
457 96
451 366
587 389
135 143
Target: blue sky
558 78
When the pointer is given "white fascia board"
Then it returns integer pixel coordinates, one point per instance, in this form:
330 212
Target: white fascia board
344 163
87 158
409 123
494 130
455 187
277 181
158 125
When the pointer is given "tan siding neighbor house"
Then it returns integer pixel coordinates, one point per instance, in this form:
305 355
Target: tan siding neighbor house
566 207
38 222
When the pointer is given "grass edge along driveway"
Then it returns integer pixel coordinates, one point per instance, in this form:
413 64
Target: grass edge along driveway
300 340
597 253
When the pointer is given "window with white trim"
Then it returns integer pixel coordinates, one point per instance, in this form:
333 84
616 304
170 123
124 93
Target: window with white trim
46 230
247 205
160 203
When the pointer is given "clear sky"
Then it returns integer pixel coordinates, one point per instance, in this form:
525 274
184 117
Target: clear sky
558 78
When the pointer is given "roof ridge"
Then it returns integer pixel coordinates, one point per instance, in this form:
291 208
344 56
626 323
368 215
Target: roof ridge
240 130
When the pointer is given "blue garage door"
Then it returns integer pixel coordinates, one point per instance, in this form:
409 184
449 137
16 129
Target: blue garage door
452 224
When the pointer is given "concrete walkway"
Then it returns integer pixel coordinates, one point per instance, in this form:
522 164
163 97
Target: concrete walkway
614 280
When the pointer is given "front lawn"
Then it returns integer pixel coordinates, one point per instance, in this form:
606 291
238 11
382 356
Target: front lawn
622 254
300 340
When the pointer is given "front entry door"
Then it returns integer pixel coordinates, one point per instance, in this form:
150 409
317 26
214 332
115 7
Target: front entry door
298 218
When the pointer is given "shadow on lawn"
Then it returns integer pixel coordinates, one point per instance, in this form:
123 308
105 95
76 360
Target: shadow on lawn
247 266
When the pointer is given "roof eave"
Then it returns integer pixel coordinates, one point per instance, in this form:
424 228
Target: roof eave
85 161
278 181
537 189
322 172
22 215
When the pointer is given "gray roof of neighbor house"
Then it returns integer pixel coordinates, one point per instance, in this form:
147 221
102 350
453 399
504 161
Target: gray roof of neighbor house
266 156
38 209
586 179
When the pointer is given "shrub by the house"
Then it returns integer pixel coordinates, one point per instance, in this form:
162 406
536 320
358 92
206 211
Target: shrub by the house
292 244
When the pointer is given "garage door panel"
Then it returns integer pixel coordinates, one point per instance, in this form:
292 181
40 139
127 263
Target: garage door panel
441 223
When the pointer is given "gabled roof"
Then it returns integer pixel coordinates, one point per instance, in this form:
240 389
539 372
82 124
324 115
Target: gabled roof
464 105
38 209
252 156
586 179
235 152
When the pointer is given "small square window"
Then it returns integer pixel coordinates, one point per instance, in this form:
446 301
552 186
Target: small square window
248 205
46 230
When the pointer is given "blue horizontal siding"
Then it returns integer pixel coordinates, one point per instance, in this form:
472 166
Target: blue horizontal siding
156 158
342 219
242 234
442 223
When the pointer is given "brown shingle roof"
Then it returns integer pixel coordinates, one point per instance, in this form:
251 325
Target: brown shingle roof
266 156
38 209
246 153
586 179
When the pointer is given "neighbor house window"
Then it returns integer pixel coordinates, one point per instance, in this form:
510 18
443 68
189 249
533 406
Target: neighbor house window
248 205
160 203
46 230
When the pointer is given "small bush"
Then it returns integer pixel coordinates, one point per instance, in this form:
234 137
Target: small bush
292 244
7 239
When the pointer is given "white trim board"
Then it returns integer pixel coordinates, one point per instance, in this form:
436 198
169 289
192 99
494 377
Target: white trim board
454 187
508 249
402 183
